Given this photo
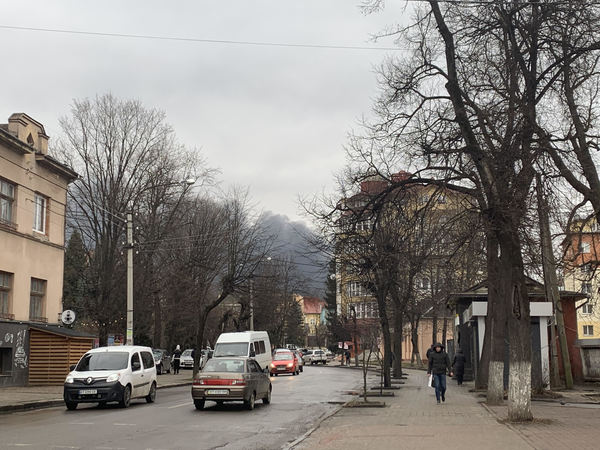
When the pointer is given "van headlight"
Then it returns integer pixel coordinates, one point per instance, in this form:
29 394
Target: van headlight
113 377
69 379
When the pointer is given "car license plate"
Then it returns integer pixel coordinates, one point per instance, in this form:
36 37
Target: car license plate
88 391
217 392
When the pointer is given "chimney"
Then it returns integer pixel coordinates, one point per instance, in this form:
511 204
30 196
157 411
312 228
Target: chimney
28 131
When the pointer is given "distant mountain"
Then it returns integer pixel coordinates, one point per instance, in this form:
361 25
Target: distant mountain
293 241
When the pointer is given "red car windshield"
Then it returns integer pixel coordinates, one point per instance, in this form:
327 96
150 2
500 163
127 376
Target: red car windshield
283 356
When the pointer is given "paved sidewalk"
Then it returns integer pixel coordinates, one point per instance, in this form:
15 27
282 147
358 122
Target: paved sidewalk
29 397
413 420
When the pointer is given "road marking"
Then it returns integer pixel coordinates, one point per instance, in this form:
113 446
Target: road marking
19 445
65 446
179 406
81 423
124 424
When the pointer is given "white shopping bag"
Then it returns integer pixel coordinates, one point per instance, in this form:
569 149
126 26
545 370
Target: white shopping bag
430 382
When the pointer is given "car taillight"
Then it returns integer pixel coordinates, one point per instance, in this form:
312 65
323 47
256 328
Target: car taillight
238 382
198 382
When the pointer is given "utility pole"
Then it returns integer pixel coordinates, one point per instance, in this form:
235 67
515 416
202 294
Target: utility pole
251 305
129 337
551 283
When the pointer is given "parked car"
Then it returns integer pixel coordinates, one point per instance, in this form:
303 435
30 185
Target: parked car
300 360
186 360
284 361
329 354
315 357
226 379
162 361
112 374
252 344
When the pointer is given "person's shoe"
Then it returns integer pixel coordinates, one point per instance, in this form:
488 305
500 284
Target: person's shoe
443 397
438 402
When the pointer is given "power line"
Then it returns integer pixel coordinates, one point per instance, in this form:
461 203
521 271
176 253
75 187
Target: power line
199 40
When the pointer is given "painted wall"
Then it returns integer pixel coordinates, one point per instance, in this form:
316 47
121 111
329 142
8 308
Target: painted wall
14 347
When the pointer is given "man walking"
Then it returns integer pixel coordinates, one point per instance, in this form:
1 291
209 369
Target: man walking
439 364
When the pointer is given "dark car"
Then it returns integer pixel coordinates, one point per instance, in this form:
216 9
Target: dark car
162 359
227 379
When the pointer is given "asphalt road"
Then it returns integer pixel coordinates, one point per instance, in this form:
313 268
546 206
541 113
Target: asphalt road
298 403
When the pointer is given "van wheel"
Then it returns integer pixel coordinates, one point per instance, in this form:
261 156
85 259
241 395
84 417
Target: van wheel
267 399
152 394
71 405
199 404
249 404
124 403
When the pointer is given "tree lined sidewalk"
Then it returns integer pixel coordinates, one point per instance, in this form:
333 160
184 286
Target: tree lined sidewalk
413 420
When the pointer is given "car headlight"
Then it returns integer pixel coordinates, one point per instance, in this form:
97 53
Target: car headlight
272 366
290 364
113 377
69 379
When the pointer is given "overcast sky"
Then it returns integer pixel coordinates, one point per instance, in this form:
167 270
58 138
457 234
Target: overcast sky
272 118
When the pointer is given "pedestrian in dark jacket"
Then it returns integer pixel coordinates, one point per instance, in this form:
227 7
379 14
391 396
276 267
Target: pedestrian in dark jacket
458 364
176 359
439 364
429 350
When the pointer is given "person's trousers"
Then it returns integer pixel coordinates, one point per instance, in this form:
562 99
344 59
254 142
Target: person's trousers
440 384
459 378
176 365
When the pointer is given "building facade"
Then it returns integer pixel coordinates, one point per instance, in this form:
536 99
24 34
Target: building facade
312 315
582 274
33 196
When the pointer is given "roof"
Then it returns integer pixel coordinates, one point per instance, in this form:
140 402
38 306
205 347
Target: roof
312 305
535 289
60 330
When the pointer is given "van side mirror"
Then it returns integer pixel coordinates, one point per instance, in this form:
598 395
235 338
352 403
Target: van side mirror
72 367
252 353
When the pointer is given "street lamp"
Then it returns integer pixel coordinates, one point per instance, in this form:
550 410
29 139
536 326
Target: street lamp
129 337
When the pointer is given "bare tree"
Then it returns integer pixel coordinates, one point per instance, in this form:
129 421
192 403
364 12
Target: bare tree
122 151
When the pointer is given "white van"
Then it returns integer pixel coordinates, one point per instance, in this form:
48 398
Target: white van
112 374
254 344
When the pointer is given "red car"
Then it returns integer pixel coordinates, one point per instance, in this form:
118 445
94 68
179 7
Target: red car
284 361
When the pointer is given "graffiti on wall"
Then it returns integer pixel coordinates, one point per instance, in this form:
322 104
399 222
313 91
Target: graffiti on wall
20 354
8 339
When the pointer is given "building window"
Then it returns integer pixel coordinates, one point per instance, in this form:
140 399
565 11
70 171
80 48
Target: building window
37 300
7 199
356 289
586 288
588 330
39 213
586 309
5 288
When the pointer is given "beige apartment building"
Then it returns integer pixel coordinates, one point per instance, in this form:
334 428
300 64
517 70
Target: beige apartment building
33 195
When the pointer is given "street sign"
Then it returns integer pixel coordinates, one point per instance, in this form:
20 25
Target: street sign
67 317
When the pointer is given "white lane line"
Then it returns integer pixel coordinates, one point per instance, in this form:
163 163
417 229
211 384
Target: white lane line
19 445
179 406
65 446
124 424
81 423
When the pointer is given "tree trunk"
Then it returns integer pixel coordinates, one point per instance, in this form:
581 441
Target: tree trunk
414 339
398 325
519 327
444 330
202 315
496 323
434 328
552 292
157 321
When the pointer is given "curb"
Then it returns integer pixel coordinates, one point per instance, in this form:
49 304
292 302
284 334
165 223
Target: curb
41 404
315 427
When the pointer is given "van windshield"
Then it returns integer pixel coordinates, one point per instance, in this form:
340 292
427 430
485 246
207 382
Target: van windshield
231 349
103 361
